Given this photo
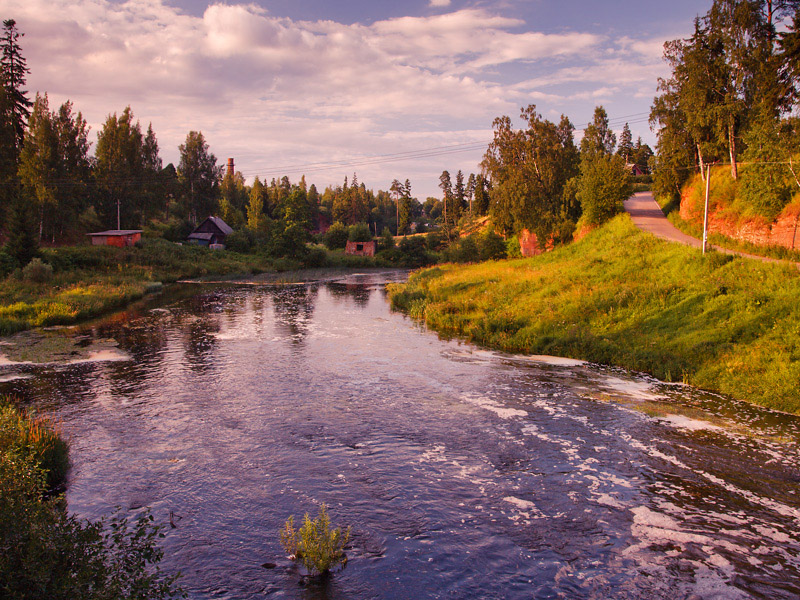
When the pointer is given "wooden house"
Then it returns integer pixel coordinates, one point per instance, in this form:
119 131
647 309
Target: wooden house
361 248
116 237
211 232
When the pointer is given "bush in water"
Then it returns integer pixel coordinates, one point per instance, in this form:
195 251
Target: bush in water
315 544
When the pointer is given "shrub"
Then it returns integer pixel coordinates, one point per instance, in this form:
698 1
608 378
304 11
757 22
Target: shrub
491 246
603 186
386 240
359 232
240 241
37 437
47 553
433 241
512 247
316 257
37 271
315 544
336 236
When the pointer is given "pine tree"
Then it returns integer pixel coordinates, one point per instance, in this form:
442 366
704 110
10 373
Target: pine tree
625 148
13 70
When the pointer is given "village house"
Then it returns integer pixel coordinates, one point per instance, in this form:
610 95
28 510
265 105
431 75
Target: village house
211 232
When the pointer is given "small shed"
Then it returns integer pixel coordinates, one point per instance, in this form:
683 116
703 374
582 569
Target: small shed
361 248
211 232
116 237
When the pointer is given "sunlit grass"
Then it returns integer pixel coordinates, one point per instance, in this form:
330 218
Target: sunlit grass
623 297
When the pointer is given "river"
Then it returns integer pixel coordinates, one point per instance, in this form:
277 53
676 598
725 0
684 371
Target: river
464 473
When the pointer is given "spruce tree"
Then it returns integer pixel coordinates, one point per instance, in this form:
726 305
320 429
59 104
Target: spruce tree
13 70
625 148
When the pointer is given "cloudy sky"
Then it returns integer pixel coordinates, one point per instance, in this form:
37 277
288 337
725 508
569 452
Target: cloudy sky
384 88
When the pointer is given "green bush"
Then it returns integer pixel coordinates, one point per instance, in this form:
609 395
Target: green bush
240 241
491 246
316 257
512 247
603 186
36 437
37 271
386 239
315 544
47 554
336 236
359 232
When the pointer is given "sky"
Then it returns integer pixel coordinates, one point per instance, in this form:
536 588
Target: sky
385 89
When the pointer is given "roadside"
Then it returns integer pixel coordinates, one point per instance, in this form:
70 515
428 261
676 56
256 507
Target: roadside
647 215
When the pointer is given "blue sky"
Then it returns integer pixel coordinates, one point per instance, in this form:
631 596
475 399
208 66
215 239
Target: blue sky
386 89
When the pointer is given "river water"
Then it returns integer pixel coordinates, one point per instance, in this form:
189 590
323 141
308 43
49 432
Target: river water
463 473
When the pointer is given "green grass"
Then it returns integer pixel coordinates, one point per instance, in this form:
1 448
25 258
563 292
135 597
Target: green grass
622 297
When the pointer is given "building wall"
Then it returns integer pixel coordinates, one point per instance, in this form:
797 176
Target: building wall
360 248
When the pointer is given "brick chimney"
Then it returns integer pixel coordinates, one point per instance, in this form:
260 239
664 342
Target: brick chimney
230 167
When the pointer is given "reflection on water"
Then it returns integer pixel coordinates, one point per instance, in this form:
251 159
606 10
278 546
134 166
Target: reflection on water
464 473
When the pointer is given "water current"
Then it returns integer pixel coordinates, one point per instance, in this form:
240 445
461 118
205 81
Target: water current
464 473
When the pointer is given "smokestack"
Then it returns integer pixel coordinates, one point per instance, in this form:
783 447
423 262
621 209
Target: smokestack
230 167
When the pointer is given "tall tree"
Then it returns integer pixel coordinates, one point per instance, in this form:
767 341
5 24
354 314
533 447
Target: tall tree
625 148
256 219
529 169
13 72
446 185
598 137
199 176
54 167
126 169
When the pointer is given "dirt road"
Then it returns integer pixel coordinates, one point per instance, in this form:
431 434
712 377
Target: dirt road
646 215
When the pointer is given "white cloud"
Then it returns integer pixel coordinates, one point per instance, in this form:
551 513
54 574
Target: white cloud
273 91
439 3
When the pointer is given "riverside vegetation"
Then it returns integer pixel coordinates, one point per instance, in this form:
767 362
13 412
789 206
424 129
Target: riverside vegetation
318 547
622 297
47 553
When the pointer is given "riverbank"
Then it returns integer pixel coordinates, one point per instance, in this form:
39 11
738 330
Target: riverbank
622 297
88 281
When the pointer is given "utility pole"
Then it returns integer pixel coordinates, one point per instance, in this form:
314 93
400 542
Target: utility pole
705 215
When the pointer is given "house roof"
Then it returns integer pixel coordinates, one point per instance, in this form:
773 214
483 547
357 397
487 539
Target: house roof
117 232
218 223
201 236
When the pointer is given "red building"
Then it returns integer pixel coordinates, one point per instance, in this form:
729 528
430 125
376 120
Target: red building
116 237
361 248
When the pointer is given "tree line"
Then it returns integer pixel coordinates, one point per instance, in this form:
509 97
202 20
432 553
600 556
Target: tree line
729 100
54 190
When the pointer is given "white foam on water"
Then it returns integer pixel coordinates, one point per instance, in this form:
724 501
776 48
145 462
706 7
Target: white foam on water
557 361
527 509
105 355
689 424
636 390
492 406
14 377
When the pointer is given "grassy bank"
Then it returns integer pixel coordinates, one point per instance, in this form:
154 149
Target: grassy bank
623 297
88 281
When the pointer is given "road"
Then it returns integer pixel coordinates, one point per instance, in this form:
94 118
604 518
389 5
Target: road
646 215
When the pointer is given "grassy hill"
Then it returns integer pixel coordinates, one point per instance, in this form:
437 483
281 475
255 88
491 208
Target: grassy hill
623 297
